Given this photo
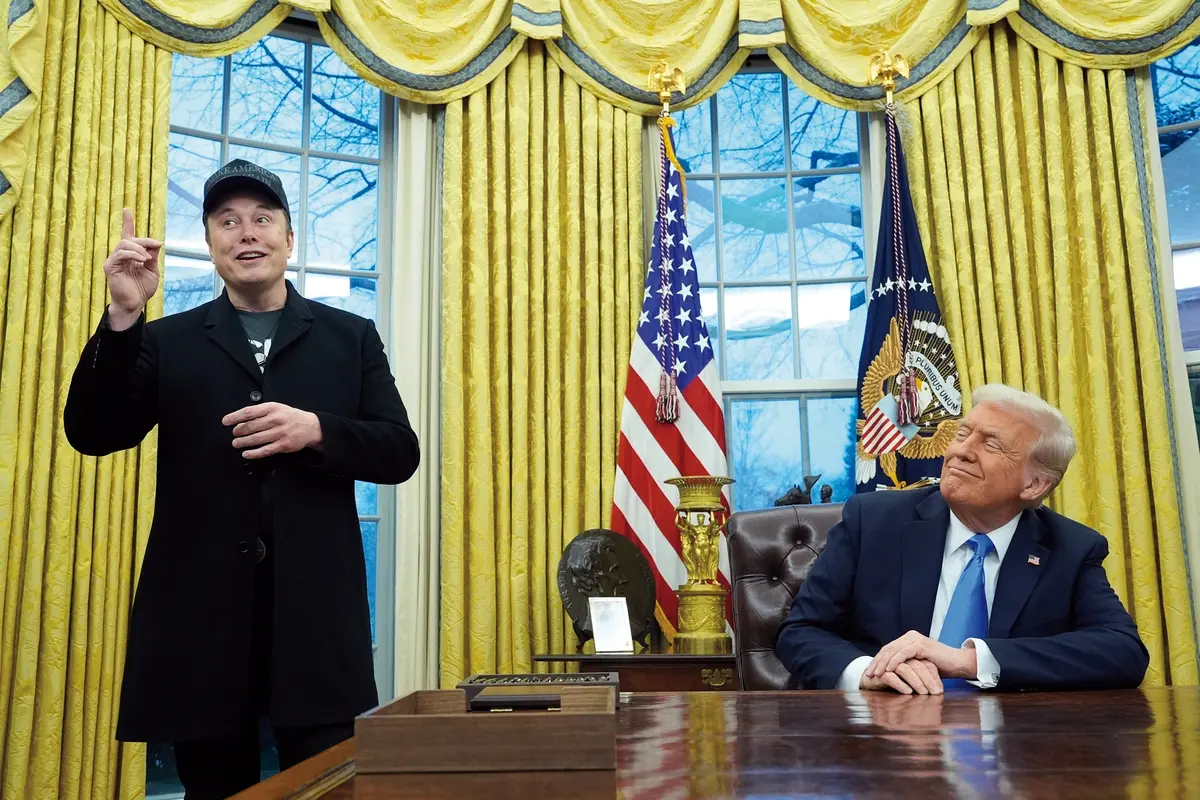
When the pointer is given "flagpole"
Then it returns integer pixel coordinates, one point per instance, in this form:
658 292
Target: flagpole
908 402
664 80
686 374
884 69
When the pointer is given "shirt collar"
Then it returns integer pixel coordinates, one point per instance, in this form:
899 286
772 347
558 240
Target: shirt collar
1001 538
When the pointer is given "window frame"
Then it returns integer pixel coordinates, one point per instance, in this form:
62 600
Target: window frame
799 389
1190 357
299 29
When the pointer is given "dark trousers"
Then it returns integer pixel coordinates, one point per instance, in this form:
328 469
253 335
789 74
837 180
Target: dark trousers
214 769
217 768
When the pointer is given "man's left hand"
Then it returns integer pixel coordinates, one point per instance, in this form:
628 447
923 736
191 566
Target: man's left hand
951 662
267 429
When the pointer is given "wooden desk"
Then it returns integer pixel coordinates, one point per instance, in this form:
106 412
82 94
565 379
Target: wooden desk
875 745
659 672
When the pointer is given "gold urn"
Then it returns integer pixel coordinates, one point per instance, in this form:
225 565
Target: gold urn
700 517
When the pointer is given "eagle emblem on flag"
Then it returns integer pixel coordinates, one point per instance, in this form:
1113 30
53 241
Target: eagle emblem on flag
939 401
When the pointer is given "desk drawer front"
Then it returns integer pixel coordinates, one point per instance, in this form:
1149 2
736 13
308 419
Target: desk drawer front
692 677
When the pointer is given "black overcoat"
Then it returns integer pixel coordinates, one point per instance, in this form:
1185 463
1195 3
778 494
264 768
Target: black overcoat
187 660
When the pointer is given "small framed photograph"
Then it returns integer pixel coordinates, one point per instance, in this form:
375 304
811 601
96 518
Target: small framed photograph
610 624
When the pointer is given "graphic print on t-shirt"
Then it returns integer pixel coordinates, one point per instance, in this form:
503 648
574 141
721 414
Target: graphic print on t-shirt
261 350
260 331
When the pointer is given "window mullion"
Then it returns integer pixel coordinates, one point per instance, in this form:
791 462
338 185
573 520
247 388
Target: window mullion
302 226
805 392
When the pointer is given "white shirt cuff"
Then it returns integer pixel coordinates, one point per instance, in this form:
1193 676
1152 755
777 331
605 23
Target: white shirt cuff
987 668
851 678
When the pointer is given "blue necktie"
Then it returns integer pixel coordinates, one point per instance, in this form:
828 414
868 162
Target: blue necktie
967 616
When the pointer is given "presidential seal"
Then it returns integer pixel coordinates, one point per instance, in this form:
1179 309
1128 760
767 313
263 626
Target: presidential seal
881 434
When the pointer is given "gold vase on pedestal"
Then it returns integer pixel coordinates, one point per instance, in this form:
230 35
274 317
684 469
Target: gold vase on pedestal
700 518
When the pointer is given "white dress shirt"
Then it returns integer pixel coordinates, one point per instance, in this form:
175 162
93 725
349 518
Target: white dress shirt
954 560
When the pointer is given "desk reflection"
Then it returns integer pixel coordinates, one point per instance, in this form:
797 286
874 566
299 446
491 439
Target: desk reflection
966 744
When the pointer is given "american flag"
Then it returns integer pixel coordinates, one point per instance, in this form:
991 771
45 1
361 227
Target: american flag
881 434
668 429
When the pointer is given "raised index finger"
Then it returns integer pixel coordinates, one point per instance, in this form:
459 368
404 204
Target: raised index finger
127 231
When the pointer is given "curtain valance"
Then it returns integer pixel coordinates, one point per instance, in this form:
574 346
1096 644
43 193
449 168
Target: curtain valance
435 51
441 50
826 45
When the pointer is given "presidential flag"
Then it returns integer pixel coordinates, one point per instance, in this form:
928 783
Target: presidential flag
672 424
909 393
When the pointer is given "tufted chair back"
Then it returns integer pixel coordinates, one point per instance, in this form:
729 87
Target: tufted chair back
770 554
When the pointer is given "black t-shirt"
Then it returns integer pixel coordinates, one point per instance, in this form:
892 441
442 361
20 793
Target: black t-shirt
260 327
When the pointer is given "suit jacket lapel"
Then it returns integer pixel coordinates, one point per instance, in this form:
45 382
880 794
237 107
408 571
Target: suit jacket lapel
295 322
1018 575
226 330
923 545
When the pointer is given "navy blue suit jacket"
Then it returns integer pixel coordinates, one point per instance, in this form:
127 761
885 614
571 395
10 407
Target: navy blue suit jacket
1054 625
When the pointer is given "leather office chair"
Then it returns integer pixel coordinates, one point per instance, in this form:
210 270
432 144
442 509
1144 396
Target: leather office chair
770 554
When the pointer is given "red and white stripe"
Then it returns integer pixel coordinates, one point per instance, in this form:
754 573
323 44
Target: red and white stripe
650 453
880 435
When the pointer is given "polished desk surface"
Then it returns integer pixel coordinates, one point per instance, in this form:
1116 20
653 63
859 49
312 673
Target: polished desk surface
823 744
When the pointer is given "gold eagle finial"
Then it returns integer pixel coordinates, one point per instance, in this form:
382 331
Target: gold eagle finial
664 80
884 68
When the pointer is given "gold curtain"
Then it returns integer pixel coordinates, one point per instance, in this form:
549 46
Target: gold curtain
1031 187
440 50
541 287
72 529
825 45
22 53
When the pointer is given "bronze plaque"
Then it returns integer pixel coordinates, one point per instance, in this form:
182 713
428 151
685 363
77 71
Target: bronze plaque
603 563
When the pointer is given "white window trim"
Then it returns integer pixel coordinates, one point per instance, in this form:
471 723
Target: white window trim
1180 363
415 356
1191 357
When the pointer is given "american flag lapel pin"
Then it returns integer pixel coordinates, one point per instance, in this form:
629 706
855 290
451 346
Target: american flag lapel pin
1037 562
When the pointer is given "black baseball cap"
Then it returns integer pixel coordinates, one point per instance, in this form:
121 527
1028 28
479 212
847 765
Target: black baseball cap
241 174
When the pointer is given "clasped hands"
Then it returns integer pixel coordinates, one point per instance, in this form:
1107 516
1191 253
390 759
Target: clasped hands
916 663
266 429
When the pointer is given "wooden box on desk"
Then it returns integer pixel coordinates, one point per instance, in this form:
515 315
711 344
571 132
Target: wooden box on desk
432 731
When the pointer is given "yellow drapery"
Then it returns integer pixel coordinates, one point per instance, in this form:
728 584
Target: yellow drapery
72 529
442 50
1029 178
541 287
826 45
22 53
551 497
